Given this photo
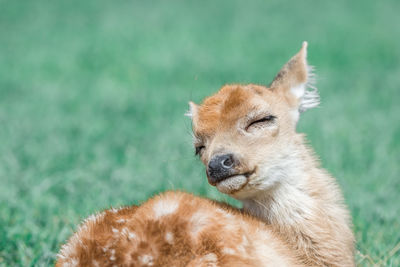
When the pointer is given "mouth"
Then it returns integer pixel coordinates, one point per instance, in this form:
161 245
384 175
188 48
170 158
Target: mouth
233 183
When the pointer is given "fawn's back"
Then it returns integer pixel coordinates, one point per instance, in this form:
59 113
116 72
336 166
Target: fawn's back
174 229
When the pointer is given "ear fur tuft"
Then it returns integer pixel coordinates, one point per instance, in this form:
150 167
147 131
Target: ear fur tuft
310 98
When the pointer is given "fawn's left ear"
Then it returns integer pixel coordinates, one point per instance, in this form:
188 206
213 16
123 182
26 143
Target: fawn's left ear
296 80
192 112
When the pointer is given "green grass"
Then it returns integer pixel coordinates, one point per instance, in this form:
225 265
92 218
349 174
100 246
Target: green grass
92 97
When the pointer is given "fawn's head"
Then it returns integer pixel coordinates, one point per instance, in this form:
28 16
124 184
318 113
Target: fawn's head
244 134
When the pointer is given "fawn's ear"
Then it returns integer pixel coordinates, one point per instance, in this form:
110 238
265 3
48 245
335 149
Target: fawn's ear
192 112
296 80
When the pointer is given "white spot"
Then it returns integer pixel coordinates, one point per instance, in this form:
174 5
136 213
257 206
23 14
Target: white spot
114 230
132 235
75 262
95 263
165 207
71 263
210 259
244 244
129 235
228 251
226 214
112 258
121 221
147 260
198 221
169 237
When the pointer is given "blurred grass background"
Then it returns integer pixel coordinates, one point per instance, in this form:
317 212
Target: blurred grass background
92 97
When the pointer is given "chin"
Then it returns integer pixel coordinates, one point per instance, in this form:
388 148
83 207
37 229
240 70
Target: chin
241 187
232 184
237 186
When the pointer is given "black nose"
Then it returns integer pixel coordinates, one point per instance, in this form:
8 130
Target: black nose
220 167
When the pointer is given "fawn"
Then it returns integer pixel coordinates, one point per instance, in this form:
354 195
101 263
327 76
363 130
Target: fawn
293 212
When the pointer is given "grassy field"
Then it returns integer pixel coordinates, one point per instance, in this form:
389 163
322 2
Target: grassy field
92 97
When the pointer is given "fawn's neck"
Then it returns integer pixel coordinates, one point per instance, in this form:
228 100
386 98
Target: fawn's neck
307 211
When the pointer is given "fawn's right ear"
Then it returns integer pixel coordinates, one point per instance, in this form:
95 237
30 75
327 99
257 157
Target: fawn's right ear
192 112
294 79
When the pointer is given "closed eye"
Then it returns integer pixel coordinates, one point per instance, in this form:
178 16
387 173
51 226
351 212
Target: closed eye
266 119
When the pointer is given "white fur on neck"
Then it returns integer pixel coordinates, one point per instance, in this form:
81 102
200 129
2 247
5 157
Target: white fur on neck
282 197
286 204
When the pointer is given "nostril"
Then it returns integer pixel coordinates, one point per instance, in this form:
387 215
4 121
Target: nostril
227 163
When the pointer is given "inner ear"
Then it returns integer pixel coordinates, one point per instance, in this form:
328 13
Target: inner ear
296 80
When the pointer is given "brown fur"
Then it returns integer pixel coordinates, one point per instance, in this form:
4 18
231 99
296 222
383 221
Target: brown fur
197 232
